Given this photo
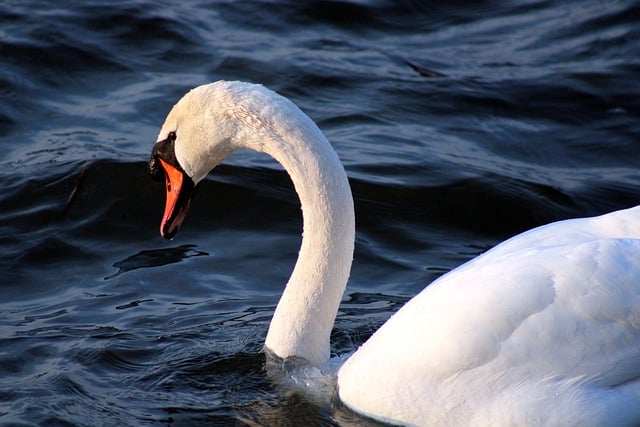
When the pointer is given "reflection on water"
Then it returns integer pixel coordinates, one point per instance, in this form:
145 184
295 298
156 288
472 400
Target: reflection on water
155 258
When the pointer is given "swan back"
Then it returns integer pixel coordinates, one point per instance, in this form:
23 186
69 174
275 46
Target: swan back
544 328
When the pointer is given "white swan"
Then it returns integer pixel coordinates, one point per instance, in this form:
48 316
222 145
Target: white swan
543 329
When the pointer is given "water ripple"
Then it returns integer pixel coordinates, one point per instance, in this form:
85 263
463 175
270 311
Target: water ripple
459 125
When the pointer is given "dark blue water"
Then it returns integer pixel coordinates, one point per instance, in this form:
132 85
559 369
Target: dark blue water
460 124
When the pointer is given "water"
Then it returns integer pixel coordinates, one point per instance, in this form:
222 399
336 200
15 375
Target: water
459 125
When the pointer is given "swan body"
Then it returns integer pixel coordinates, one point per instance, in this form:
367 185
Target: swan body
544 329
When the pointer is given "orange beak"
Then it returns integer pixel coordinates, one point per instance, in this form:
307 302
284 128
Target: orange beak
180 189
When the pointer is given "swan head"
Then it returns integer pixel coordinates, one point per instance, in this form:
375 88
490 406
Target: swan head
195 137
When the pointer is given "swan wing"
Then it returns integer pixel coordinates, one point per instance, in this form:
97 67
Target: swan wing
544 327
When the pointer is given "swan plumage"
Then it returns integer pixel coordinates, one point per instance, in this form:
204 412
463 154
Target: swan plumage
542 329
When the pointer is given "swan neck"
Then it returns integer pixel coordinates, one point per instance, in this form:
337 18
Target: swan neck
302 322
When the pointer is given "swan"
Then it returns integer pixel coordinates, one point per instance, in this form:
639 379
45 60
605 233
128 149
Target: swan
543 329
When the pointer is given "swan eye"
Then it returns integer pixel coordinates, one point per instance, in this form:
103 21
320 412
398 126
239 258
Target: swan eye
163 150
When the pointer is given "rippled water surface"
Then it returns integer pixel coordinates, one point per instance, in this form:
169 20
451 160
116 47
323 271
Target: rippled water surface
459 124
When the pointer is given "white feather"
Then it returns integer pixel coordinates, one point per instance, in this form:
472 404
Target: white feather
543 329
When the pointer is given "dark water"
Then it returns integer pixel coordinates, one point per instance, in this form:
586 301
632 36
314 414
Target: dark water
459 125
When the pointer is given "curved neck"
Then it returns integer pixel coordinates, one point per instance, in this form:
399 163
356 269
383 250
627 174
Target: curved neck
302 322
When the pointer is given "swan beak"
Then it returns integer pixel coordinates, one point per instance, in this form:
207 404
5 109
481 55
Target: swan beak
180 190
